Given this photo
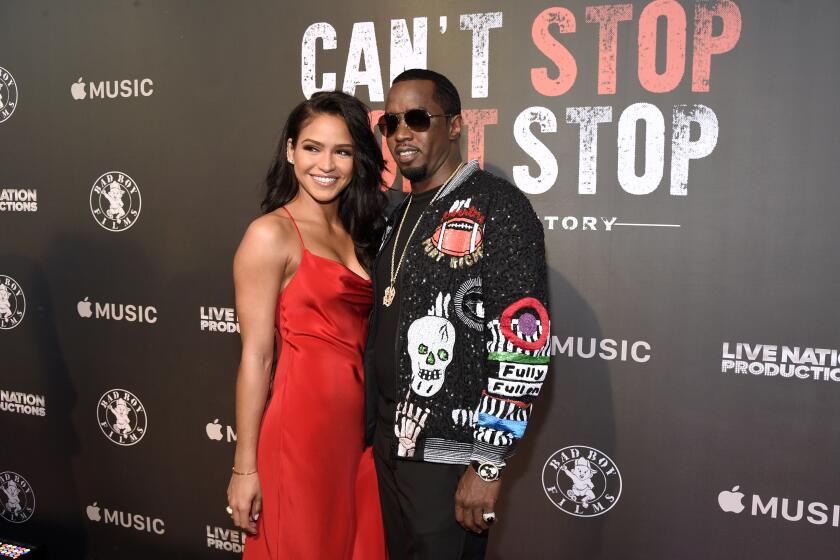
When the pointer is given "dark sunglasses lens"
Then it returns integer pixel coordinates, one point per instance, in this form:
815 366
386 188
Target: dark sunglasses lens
417 120
388 124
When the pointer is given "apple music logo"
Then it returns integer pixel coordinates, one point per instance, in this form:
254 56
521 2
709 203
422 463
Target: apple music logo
816 513
124 519
731 501
214 432
111 89
117 312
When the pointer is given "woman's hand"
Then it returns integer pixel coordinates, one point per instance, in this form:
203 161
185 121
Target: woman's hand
245 499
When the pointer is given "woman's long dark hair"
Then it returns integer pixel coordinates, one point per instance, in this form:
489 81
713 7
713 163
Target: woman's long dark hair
361 204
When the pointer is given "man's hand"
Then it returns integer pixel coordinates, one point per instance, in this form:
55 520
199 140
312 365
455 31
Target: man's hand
473 498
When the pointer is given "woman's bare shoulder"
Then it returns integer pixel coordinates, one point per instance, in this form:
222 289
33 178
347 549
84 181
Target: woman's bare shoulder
271 236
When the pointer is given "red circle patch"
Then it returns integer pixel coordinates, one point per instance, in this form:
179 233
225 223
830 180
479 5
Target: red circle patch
507 318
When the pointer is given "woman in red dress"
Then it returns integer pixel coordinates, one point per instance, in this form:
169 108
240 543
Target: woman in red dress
302 487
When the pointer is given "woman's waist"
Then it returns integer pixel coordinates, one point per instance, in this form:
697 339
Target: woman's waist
309 343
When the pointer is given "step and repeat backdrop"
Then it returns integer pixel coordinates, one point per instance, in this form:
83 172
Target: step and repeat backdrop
682 156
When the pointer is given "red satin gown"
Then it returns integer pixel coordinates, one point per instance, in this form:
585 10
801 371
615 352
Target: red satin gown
320 496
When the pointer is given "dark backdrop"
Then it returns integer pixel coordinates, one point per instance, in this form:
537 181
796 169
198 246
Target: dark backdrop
691 261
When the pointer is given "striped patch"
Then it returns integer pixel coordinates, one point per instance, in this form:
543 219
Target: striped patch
498 344
504 408
463 417
437 450
493 436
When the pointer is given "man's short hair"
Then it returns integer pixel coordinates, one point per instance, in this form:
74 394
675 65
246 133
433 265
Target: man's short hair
446 95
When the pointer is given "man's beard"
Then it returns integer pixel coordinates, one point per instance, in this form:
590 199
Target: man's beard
415 174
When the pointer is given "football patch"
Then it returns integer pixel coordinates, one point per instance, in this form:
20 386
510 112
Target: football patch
458 237
461 230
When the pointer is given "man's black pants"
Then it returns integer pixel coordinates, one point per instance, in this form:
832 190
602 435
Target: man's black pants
418 509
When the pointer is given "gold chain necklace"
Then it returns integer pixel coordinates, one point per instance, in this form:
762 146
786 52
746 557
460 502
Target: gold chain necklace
390 290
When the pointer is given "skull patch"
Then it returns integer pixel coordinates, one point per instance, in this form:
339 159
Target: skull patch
431 340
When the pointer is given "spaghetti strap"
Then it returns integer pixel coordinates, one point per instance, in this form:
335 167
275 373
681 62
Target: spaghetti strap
294 223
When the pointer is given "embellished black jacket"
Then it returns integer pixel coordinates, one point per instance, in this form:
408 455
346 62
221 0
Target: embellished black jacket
473 331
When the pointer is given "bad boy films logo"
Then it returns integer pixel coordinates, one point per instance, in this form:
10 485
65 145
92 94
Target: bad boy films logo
17 501
121 416
115 201
581 481
8 94
12 303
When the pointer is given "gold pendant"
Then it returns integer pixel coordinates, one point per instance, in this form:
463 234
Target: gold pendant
388 299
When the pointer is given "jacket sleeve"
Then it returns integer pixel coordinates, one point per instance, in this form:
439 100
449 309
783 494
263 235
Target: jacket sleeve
517 335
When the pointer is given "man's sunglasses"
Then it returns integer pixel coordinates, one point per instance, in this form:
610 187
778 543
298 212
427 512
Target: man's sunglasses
418 120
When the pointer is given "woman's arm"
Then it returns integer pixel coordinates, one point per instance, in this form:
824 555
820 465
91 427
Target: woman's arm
260 268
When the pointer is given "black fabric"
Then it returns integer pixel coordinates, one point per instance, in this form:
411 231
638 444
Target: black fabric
418 509
385 337
477 254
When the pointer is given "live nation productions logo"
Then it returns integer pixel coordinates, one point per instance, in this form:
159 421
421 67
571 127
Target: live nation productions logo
23 403
12 303
790 362
115 201
815 513
225 538
121 416
581 481
17 500
8 94
18 200
219 319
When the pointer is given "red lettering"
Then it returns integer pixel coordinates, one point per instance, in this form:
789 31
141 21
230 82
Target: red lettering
608 18
674 15
706 44
475 120
564 20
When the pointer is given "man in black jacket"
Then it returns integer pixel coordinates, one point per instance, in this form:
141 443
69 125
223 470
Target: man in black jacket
459 336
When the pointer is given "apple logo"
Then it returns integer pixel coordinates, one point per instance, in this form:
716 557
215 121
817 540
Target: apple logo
84 309
93 512
77 90
731 501
214 430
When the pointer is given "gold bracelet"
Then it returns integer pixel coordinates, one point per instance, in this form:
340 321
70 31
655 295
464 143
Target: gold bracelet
233 469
